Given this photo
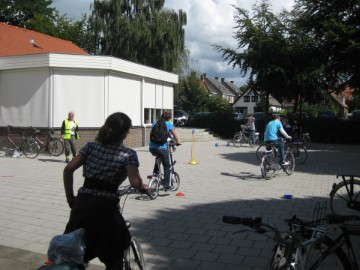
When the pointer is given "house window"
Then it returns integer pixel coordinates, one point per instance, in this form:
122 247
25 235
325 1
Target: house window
254 98
246 98
151 115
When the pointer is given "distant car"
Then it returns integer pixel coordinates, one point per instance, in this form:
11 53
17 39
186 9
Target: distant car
238 116
326 115
180 117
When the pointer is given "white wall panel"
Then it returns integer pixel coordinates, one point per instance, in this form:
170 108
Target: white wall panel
24 98
149 95
124 96
82 92
159 96
168 95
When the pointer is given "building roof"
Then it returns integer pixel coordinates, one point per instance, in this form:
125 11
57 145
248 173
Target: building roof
20 41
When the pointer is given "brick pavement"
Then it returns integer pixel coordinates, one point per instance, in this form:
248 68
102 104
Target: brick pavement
175 232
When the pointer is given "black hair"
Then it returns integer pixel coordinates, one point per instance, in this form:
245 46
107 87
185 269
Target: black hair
115 129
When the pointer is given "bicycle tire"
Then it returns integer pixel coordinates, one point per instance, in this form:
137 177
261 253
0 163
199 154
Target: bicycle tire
341 198
307 141
289 169
133 256
259 151
237 139
267 170
154 187
300 153
30 149
55 147
175 181
310 258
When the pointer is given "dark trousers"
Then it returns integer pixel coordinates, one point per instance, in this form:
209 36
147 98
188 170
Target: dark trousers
165 160
279 145
70 145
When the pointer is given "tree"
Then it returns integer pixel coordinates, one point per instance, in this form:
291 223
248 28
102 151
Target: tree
263 45
139 31
192 93
334 25
20 12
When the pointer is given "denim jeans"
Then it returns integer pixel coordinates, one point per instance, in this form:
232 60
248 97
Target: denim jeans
279 145
163 154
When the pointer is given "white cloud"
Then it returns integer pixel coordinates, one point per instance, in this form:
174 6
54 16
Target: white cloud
208 22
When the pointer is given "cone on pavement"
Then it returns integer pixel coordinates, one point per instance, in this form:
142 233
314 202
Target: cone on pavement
180 194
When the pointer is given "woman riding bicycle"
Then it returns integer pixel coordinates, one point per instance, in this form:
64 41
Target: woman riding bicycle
271 136
106 164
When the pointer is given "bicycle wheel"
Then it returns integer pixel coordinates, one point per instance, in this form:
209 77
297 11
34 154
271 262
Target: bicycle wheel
267 170
175 181
307 140
133 256
259 151
344 197
31 149
55 147
154 187
312 257
289 169
300 153
237 139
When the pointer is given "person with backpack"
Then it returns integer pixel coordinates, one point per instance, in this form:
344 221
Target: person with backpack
160 132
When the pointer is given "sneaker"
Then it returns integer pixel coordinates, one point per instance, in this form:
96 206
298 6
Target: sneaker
285 163
169 189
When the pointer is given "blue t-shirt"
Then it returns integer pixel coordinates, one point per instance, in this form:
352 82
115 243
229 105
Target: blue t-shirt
272 129
169 127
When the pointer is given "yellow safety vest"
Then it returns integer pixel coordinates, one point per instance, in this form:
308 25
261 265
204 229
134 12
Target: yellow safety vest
67 133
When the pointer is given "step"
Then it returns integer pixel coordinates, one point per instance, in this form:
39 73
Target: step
188 134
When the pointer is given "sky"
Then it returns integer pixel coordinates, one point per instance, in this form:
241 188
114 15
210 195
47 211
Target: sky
209 22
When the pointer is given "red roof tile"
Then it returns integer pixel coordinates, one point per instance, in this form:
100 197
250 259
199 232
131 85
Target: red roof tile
17 41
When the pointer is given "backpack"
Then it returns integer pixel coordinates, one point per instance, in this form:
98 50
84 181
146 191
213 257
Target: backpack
159 133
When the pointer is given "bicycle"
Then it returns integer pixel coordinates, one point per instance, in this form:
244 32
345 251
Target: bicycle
243 136
270 162
157 179
307 246
345 196
306 139
54 146
297 148
11 149
133 255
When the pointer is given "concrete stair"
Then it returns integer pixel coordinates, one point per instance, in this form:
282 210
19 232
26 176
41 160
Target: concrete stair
200 134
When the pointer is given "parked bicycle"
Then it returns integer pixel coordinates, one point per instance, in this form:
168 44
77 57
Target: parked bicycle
297 148
54 146
157 180
11 149
345 195
307 245
243 136
271 159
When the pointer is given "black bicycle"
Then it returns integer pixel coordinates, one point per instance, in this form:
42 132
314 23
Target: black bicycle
243 136
133 255
345 195
307 245
156 180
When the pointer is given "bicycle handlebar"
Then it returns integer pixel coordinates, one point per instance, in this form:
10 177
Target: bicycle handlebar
130 190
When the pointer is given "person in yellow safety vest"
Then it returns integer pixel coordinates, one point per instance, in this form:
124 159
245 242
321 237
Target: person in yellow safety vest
69 129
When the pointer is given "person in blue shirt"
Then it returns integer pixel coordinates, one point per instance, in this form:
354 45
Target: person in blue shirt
272 130
162 152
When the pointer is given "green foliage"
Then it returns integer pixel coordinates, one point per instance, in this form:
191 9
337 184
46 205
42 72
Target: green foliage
20 12
192 94
334 26
139 31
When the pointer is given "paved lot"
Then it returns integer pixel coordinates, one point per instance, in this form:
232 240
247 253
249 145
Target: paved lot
176 232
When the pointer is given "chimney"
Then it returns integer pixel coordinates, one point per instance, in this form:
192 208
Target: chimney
216 78
222 80
232 82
